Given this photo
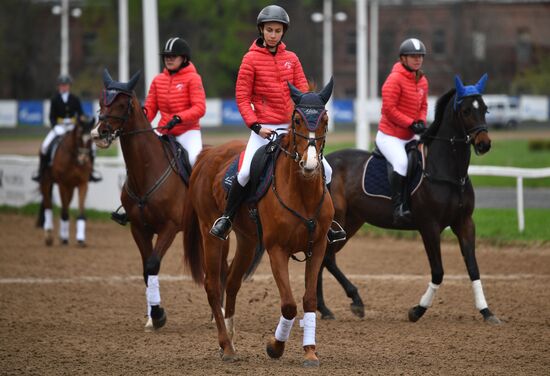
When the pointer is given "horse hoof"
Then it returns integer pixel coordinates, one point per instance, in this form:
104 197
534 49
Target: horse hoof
229 358
149 326
489 318
158 317
358 310
64 241
49 242
327 316
274 348
82 244
310 357
415 313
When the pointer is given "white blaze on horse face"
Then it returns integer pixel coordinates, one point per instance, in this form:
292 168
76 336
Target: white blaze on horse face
475 104
311 161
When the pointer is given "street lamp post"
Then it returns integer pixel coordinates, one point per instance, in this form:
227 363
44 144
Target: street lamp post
63 10
327 17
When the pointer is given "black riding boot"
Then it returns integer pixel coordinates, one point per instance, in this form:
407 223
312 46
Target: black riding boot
94 176
42 166
337 235
222 227
401 214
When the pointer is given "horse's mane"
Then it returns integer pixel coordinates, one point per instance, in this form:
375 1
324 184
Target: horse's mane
440 107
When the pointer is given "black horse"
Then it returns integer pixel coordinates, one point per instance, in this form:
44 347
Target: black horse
443 195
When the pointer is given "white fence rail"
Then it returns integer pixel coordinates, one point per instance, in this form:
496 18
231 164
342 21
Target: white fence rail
519 174
17 188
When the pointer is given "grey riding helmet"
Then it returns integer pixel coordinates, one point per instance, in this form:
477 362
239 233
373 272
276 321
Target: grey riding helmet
412 46
64 79
177 47
273 13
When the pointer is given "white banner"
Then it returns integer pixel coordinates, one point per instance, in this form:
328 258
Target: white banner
8 113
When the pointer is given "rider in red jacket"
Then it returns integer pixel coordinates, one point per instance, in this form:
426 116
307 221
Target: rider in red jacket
264 101
404 108
177 93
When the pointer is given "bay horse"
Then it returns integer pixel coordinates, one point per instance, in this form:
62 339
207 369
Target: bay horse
153 193
295 214
445 196
70 168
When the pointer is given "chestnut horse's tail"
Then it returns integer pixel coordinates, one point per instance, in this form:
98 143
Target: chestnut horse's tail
192 243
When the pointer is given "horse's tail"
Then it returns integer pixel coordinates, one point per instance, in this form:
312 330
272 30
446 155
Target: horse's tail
192 242
258 253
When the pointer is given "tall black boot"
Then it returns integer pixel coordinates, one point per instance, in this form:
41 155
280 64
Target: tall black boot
94 175
42 166
401 214
338 234
222 226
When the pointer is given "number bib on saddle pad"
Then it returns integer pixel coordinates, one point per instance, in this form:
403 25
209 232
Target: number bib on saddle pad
375 175
261 171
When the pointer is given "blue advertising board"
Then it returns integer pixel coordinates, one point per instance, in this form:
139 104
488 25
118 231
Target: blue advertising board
30 112
230 113
343 110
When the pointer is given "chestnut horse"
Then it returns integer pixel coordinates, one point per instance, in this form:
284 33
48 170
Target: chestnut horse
153 194
295 214
444 198
70 168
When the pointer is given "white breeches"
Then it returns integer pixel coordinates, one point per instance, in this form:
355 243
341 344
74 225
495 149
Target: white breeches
255 142
57 130
393 148
192 142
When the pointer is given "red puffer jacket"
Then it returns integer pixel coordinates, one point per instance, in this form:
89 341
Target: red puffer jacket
403 101
262 82
179 94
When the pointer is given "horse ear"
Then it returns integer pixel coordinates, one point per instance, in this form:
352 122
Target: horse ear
295 94
327 91
480 86
107 79
459 87
133 81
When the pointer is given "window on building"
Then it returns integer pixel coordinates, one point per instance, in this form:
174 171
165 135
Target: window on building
524 46
479 45
438 42
351 43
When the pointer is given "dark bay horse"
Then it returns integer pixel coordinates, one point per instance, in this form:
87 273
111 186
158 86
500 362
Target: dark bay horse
295 212
153 194
70 168
444 198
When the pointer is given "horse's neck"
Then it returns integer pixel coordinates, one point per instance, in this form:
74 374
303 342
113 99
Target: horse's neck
142 151
307 191
445 158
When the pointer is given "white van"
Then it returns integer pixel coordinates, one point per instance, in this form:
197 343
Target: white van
503 111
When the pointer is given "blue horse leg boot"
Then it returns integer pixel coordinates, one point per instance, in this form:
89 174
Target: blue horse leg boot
401 214
222 226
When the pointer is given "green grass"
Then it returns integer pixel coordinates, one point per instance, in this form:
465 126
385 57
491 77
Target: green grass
495 226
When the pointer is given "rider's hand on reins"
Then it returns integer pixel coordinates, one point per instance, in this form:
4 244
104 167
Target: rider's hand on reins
418 127
172 123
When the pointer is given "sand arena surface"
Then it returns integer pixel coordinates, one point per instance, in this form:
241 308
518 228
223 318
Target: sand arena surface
70 310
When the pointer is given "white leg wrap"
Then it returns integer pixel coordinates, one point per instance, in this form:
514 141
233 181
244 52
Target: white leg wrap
283 329
479 297
153 290
308 323
64 229
81 229
428 297
230 326
48 219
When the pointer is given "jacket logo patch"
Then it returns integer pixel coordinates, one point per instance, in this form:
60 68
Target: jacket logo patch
179 87
288 65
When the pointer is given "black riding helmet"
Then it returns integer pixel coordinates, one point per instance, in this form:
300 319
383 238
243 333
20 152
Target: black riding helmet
412 46
178 47
273 13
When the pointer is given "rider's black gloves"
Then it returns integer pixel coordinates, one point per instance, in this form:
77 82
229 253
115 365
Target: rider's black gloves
418 127
172 123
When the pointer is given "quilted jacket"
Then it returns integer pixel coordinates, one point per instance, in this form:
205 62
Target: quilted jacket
262 93
404 100
179 94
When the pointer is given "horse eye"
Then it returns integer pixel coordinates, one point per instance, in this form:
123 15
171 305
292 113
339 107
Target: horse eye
297 120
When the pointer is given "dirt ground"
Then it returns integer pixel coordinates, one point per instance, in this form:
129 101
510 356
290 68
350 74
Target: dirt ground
70 310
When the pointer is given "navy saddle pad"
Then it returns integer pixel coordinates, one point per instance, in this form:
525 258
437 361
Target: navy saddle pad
180 156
